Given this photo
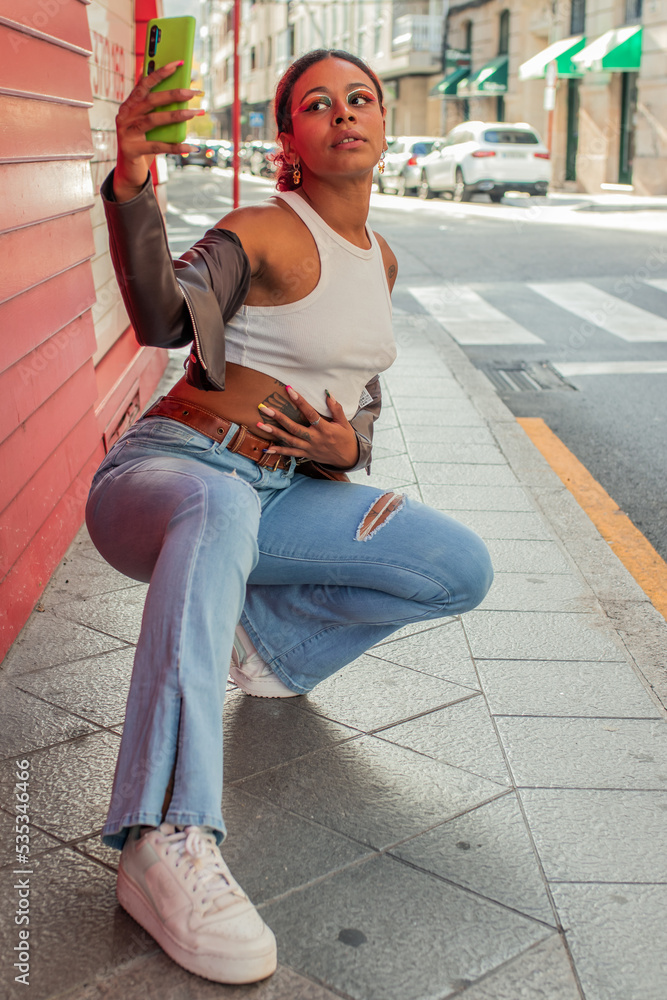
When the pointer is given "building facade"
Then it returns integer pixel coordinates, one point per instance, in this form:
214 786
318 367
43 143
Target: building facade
72 373
608 126
401 41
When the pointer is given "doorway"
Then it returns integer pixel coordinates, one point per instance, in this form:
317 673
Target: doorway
572 130
628 115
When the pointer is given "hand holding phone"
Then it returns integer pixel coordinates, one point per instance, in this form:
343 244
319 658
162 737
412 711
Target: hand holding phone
170 40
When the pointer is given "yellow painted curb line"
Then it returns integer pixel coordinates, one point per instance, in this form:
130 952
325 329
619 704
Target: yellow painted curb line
636 553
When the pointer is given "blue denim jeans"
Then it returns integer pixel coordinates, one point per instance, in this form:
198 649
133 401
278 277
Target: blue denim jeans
222 540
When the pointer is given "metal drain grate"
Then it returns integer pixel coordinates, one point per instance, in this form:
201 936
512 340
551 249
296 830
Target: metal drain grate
525 376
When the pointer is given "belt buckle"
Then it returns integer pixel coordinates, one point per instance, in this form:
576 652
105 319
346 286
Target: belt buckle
278 461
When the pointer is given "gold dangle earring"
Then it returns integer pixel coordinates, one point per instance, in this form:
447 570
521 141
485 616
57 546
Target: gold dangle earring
296 175
381 164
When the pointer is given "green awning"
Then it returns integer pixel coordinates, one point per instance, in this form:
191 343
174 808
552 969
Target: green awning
561 53
617 51
447 87
488 81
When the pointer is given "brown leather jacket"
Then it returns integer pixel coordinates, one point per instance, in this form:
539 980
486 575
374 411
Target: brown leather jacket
172 303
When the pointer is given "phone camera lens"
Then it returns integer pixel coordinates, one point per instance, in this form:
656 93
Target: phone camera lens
151 66
152 45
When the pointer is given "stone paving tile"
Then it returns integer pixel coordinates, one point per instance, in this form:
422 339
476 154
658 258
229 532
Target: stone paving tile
610 753
70 785
441 651
416 627
158 978
38 840
489 851
392 693
94 848
460 474
78 577
617 937
95 688
47 641
537 592
503 524
398 469
79 928
590 835
116 614
543 972
462 735
271 851
447 414
286 733
440 433
564 688
531 635
472 498
372 791
28 723
343 931
455 451
423 387
520 556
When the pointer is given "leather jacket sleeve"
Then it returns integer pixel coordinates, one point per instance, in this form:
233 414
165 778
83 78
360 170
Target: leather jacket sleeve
172 303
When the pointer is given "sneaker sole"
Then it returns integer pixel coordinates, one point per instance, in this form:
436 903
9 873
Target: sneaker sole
255 688
220 969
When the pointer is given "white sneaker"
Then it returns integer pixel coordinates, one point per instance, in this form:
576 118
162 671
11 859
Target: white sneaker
176 885
251 673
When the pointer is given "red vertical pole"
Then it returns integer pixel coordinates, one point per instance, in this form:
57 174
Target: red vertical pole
236 107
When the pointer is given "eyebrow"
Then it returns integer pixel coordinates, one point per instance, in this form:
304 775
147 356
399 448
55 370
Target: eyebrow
325 90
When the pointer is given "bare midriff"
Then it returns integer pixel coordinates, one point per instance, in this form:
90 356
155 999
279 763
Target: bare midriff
244 390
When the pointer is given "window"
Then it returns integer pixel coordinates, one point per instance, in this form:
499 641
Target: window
269 50
504 33
510 137
421 148
577 17
253 57
467 45
633 11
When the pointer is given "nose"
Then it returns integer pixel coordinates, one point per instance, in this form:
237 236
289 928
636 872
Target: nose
342 112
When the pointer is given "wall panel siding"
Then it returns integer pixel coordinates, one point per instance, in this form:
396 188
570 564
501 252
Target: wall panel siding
43 190
29 320
65 67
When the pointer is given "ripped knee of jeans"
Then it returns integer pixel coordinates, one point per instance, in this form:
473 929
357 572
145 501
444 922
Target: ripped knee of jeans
381 511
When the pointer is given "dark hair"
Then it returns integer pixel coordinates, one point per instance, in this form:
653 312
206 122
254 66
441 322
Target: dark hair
283 101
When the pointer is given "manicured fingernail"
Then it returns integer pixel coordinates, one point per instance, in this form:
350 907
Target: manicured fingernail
328 393
267 410
264 427
269 451
291 391
181 63
198 114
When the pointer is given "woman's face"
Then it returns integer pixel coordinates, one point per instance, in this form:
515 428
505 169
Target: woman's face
337 120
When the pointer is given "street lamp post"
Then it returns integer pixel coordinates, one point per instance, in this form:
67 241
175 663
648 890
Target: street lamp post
236 106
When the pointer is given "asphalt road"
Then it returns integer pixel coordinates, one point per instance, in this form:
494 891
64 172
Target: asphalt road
552 286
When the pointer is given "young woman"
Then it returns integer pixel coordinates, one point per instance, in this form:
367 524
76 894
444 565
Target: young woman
287 576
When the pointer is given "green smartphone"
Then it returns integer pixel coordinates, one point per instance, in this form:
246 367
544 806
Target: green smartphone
170 39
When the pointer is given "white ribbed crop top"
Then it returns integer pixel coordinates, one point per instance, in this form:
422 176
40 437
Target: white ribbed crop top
338 337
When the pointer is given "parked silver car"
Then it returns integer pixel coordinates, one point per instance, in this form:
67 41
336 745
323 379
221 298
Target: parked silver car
487 157
402 163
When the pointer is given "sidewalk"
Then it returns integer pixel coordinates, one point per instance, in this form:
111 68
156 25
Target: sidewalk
475 809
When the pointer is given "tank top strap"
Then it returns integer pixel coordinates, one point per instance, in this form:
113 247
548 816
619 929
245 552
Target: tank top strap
318 226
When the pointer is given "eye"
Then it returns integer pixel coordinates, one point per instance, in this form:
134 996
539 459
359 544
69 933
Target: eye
319 103
360 97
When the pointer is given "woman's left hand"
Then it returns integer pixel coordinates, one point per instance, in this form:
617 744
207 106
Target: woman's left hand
328 441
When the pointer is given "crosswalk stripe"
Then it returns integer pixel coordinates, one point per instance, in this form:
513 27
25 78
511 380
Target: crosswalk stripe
569 368
660 283
613 314
469 318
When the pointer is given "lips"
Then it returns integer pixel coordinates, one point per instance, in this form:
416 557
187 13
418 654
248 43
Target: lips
347 138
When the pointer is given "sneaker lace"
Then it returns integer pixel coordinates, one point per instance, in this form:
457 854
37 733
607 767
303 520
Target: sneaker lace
205 866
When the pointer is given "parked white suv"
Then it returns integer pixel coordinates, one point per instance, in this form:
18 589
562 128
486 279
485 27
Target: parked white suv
487 157
402 163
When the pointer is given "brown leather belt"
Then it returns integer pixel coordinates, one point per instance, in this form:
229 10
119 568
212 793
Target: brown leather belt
216 427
